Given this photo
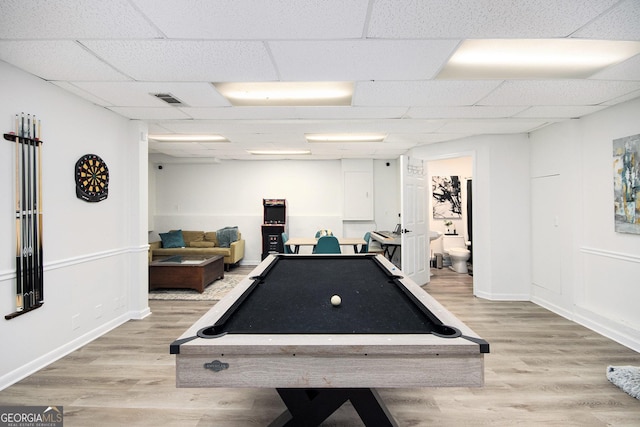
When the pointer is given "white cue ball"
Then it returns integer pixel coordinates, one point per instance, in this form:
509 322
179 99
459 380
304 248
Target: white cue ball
336 300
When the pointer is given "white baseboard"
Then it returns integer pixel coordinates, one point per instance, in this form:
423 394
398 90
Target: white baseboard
502 297
618 332
35 365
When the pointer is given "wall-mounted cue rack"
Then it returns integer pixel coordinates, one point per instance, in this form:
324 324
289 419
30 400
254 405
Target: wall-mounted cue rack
28 168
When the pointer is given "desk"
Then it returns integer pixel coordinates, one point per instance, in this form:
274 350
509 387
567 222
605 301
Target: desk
389 244
278 329
296 242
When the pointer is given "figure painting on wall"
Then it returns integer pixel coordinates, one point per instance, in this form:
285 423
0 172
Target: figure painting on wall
447 202
626 184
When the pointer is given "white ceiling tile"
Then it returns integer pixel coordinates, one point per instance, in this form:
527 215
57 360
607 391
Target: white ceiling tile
361 59
139 94
184 61
558 92
492 126
73 19
349 113
481 19
57 60
623 98
81 93
422 93
620 23
148 113
627 70
115 53
478 112
240 113
325 113
250 20
426 138
559 111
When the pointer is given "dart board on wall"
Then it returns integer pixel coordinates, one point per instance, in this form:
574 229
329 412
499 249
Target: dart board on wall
92 178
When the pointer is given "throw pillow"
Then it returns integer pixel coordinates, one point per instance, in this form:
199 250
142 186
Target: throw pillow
202 245
172 239
226 236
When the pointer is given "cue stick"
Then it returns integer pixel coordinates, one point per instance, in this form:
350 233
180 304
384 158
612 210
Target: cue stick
34 212
40 284
29 214
19 283
23 213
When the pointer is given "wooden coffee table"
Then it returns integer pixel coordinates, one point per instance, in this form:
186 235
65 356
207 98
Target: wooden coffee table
186 272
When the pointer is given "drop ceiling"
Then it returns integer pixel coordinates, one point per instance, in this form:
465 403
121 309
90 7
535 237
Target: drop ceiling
118 53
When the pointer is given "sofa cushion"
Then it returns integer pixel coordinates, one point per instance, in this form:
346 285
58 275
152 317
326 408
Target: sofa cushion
226 236
192 236
210 236
172 239
202 244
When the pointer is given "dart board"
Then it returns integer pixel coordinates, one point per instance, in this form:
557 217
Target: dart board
92 178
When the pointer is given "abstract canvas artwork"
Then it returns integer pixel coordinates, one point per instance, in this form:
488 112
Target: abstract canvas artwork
626 184
447 202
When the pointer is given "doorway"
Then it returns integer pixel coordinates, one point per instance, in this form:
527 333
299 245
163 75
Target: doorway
454 222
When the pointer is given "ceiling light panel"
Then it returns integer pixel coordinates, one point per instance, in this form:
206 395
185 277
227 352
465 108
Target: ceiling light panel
535 58
287 93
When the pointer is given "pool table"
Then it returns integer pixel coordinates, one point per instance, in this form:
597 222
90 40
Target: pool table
278 329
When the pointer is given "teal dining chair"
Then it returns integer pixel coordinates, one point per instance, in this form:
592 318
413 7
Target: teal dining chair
365 247
327 245
287 248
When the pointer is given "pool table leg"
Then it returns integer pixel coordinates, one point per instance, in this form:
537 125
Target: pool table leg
310 407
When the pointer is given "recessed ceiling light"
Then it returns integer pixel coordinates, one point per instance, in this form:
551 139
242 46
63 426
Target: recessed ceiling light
279 152
345 137
535 58
287 94
188 138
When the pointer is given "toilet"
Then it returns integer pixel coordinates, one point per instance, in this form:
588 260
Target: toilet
456 248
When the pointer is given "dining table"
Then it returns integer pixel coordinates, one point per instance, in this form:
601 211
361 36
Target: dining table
296 242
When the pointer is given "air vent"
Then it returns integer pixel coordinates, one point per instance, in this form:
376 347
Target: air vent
168 98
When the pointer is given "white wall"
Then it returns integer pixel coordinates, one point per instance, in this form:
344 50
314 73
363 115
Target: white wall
501 254
598 283
94 253
194 196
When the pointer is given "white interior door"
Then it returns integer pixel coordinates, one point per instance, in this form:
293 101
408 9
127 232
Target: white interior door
413 207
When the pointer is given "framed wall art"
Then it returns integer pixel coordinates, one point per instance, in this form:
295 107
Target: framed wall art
447 200
626 184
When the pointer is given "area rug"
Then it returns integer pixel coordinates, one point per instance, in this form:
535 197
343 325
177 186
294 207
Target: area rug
627 378
214 292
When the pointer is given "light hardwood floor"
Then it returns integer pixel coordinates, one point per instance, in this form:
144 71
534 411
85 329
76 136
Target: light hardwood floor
542 370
